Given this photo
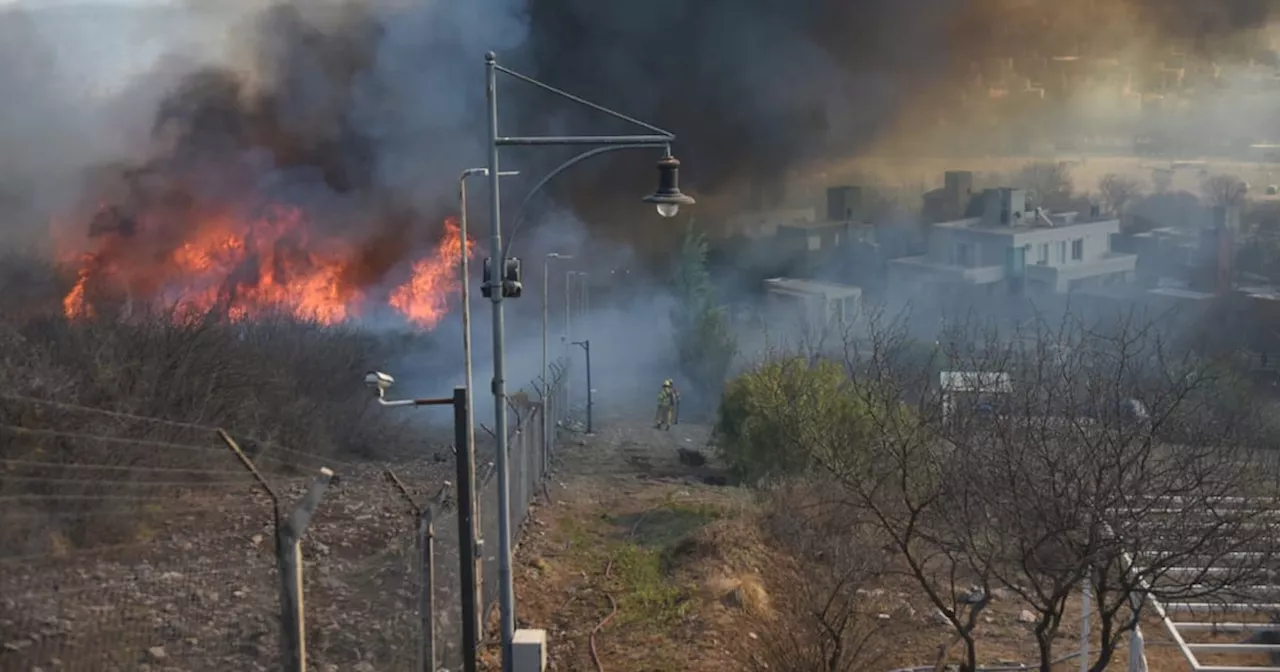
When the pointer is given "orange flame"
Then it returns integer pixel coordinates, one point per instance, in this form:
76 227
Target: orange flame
423 300
242 269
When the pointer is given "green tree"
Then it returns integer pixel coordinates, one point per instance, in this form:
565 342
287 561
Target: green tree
783 416
704 345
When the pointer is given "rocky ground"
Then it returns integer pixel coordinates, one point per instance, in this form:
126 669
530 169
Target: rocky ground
194 586
639 562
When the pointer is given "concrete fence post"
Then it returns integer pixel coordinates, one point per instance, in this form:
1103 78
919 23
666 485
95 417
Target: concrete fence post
289 531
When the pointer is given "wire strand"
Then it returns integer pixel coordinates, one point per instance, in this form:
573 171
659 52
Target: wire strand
85 498
111 548
55 433
107 587
104 412
72 515
158 421
212 483
37 464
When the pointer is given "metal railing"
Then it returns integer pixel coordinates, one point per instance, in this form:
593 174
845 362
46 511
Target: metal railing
1247 611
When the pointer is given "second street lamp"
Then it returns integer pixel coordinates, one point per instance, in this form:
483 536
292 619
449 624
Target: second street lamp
546 384
504 280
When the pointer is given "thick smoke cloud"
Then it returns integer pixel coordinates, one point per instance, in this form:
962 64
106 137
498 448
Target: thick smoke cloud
754 86
371 107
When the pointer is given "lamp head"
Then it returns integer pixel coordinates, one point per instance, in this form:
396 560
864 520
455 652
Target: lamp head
668 197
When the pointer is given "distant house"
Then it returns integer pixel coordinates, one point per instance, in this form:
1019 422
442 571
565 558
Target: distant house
809 309
954 200
1009 247
973 388
814 302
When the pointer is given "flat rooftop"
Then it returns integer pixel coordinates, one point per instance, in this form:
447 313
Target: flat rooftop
1028 222
812 287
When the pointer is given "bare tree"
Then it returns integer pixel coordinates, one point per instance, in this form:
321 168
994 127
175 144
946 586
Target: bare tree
828 619
1117 191
1066 473
897 476
1224 189
1107 430
1051 183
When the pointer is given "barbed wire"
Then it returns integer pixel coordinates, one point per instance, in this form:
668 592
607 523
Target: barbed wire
112 467
106 587
85 498
98 438
63 515
213 483
153 545
271 445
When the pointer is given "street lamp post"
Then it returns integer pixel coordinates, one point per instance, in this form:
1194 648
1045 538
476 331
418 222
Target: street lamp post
667 198
572 303
474 555
546 383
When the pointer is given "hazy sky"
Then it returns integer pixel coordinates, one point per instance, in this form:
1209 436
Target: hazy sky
100 44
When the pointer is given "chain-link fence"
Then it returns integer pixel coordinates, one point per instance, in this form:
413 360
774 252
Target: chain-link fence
128 542
531 446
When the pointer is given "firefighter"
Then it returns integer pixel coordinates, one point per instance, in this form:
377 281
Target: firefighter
668 397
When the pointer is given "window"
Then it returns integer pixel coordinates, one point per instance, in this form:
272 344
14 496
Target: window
1077 249
1043 256
815 243
964 254
1062 252
849 309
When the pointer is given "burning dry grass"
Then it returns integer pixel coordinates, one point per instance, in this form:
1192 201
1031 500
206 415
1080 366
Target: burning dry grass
288 389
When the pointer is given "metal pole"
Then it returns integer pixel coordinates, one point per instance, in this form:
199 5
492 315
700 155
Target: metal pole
590 403
568 340
1086 607
546 384
468 554
568 302
507 599
427 537
466 310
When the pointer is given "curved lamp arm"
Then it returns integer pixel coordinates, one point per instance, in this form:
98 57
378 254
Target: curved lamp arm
524 205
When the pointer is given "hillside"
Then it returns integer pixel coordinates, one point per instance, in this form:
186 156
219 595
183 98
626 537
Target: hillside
637 564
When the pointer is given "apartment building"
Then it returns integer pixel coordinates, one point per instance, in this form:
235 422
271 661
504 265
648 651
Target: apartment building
1013 248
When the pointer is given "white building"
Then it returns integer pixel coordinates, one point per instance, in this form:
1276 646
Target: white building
972 387
1015 248
808 310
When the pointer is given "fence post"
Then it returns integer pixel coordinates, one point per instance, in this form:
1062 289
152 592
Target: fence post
289 531
469 556
424 517
427 537
1086 607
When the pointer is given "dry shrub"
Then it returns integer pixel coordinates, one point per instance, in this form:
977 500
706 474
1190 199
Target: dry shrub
823 617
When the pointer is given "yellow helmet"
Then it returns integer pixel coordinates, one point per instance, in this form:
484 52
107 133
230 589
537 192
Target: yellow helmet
666 383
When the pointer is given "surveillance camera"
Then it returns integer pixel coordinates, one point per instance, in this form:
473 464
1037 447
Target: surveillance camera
378 380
